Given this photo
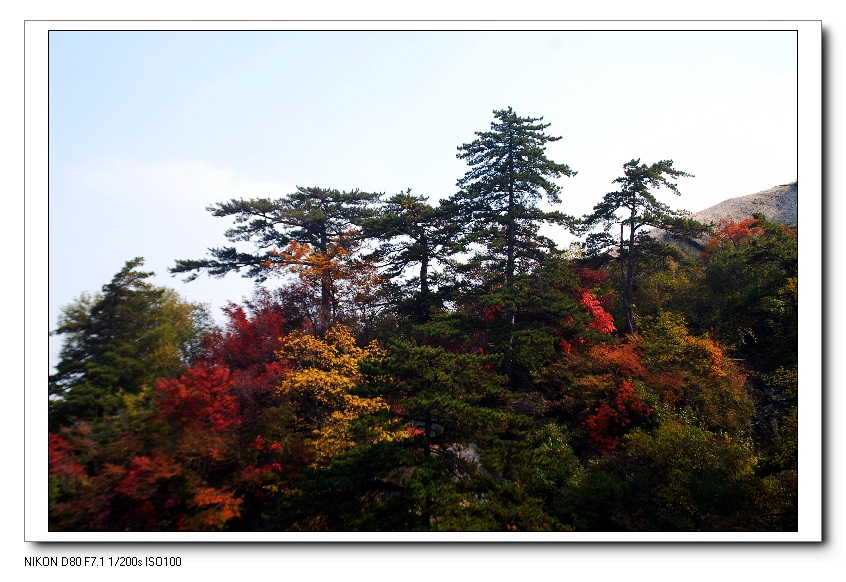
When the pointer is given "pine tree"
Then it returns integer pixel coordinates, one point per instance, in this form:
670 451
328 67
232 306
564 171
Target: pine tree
634 206
509 174
412 233
498 201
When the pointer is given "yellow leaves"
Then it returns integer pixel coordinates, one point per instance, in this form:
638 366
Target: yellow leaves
334 262
337 351
324 373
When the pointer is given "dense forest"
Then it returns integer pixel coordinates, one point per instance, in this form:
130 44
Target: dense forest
443 366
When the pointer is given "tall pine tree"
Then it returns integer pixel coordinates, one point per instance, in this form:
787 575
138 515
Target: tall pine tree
632 208
509 174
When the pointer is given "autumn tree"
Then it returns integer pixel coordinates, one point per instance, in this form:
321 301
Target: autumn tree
208 449
320 386
634 207
313 232
167 466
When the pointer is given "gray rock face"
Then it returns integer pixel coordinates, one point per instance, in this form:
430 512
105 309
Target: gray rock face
778 204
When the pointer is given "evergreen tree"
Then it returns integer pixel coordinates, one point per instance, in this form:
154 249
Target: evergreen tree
634 206
499 194
509 174
412 233
118 342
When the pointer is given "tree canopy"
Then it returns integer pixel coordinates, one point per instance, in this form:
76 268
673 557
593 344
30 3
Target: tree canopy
312 232
509 174
119 342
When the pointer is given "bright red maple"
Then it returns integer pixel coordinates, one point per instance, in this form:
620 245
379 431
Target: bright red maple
608 423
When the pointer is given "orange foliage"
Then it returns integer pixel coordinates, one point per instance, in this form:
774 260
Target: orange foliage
214 508
731 232
622 359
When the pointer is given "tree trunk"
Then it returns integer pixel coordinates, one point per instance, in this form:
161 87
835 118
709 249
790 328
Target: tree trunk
510 236
628 274
325 317
424 306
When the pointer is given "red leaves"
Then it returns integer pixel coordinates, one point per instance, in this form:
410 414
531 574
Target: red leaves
731 232
492 313
589 278
602 320
201 398
144 475
61 462
610 421
276 464
251 336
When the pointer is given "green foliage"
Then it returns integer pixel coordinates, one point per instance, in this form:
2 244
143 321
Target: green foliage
412 232
677 477
310 215
751 285
313 232
509 173
697 480
117 343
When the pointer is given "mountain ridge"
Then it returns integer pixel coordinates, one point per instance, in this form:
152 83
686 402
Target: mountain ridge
777 204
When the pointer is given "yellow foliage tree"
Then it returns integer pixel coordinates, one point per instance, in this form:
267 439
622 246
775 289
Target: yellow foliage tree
344 279
324 373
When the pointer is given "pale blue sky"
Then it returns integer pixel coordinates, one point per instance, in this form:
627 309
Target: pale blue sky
148 128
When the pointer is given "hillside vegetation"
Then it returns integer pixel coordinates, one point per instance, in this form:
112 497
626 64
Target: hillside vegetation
444 367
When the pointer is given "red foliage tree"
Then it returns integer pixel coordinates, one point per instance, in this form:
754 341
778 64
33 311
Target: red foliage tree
610 421
602 322
200 399
246 346
731 232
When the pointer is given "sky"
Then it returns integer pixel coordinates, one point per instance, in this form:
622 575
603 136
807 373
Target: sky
147 129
